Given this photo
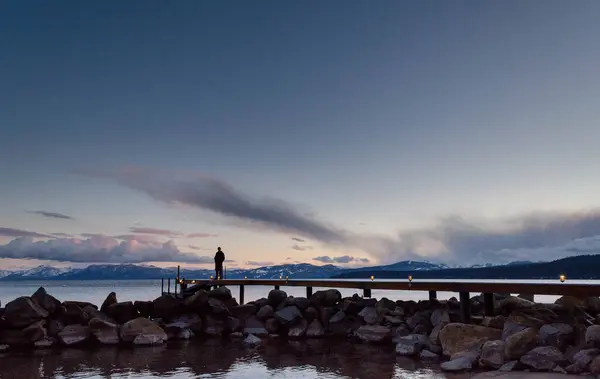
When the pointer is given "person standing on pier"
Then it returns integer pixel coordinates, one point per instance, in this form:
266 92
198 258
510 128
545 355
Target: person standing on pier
219 259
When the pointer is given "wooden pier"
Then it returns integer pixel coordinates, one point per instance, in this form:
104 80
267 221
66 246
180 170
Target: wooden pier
464 289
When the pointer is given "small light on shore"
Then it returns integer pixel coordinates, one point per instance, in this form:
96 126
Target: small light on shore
372 277
562 278
410 278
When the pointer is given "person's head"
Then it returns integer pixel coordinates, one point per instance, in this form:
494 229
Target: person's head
218 249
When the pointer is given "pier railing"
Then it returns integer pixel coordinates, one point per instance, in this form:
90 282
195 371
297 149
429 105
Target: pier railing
464 289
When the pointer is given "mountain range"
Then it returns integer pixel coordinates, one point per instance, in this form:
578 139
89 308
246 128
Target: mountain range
130 271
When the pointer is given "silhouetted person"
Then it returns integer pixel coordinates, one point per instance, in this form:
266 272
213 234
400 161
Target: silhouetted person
219 259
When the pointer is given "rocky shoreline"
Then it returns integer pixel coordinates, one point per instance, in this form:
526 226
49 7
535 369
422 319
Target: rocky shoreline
522 335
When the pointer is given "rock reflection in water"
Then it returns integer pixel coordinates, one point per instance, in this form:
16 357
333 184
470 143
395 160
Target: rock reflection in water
219 359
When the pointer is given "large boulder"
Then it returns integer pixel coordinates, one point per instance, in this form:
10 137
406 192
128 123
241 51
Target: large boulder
41 298
214 326
326 298
110 300
144 308
218 307
543 358
558 335
288 315
457 365
189 321
373 333
298 328
198 302
457 337
122 312
221 293
167 307
94 313
243 311
520 343
277 297
54 327
105 332
315 329
439 317
142 331
74 334
592 336
22 312
265 312
584 357
492 354
411 345
370 316
272 325
71 313
29 335
252 341
254 326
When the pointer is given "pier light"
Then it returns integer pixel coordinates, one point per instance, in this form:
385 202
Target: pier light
193 282
211 277
410 278
562 278
245 277
286 277
372 277
280 277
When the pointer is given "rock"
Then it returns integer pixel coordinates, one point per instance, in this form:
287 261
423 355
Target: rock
496 322
315 329
47 302
74 334
71 314
288 315
22 312
385 306
144 308
574 369
511 328
110 300
265 312
233 324
338 317
427 355
167 307
45 343
513 303
80 304
190 321
439 317
277 297
198 301
594 366
434 336
326 313
272 325
420 318
543 358
492 354
326 298
584 357
105 332
528 297
410 345
298 328
252 341
456 365
311 314
178 331
558 335
217 307
213 326
533 317
520 343
353 306
373 333
254 326
243 311
221 293
122 312
592 336
509 366
142 331
3 348
457 337
302 303
54 327
370 316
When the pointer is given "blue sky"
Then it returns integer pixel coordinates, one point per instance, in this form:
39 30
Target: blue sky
449 131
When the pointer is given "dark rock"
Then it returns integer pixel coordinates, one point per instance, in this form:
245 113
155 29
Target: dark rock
94 313
434 336
167 307
189 321
80 304
558 335
105 332
326 313
584 357
456 337
230 303
71 313
528 297
510 366
122 312
54 327
311 314
221 293
243 311
144 308
373 333
427 355
198 301
217 307
272 326
142 331
233 324
302 303
338 317
22 312
370 316
260 302
385 306
254 326
456 365
288 315
45 343
592 336
353 306
277 297
439 317
496 322
326 298
41 298
252 341
543 358
421 329
511 328
74 334
265 312
392 320
110 300
410 345
594 366
492 354
298 328
520 343
575 369
315 329
213 326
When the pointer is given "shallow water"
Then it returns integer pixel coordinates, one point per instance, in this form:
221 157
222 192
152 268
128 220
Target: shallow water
221 359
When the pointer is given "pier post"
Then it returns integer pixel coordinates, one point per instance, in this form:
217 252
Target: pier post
308 292
465 307
488 304
432 295
367 293
276 287
169 285
162 286
242 294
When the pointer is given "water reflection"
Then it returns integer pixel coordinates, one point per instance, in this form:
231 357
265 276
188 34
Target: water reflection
219 359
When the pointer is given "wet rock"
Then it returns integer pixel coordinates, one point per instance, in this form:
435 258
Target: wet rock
189 321
213 326
326 298
427 355
178 331
456 365
105 332
254 326
277 297
592 336
492 354
272 325
288 315
122 312
298 328
457 337
45 343
338 317
74 334
373 333
265 312
22 312
243 311
370 316
47 302
110 300
252 341
198 301
543 358
558 335
221 293
439 317
315 329
520 343
142 331
410 345
144 308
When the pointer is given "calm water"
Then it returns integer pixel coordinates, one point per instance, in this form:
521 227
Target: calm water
214 358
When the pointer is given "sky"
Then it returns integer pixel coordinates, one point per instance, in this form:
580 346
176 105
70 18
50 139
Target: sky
345 132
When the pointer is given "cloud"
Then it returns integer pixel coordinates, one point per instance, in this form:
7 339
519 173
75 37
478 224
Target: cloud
63 235
158 232
10 232
298 239
195 247
301 248
201 235
51 215
258 263
97 249
364 260
136 237
342 259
